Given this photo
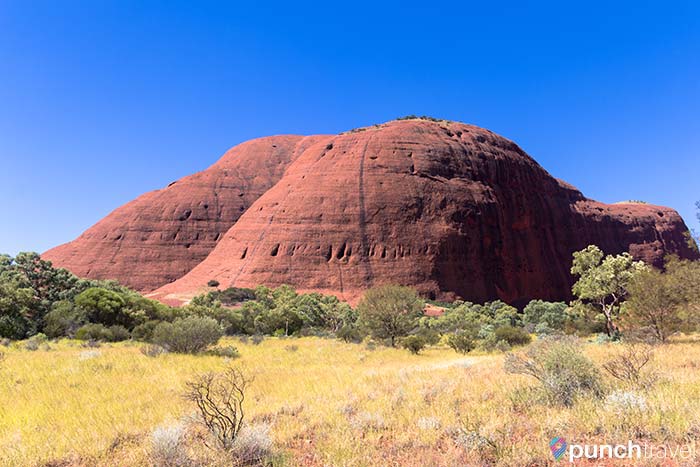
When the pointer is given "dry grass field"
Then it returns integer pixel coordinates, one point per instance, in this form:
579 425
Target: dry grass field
328 403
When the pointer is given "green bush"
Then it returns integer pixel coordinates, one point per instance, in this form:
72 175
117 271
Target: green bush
119 333
413 343
187 335
144 331
228 351
94 331
512 335
350 333
546 316
461 341
63 320
561 368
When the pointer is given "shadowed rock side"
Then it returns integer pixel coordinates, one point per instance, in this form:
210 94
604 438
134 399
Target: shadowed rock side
451 209
162 235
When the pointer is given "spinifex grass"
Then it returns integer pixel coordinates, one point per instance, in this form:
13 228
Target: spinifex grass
328 403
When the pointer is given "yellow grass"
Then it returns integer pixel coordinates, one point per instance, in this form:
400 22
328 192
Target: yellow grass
329 403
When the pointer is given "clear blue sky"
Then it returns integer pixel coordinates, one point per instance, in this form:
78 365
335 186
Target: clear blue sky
101 101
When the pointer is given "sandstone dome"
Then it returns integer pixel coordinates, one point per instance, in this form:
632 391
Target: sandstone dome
451 209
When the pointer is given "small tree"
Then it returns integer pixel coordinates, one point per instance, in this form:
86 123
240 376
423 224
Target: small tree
390 311
462 341
413 343
219 399
665 302
654 303
604 281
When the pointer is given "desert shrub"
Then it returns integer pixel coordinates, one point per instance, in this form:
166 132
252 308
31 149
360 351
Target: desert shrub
144 331
187 335
630 366
349 333
252 445
502 346
390 311
257 339
213 283
560 367
152 350
119 333
64 319
88 355
461 341
167 446
219 399
413 343
623 403
32 344
91 344
94 332
228 351
512 335
234 295
36 341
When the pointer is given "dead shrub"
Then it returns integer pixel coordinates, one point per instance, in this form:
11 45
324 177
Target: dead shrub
631 366
219 398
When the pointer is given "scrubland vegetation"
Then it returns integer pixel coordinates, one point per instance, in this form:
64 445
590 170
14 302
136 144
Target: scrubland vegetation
334 403
92 373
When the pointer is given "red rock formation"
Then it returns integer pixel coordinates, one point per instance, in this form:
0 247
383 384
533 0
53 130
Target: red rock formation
161 235
450 209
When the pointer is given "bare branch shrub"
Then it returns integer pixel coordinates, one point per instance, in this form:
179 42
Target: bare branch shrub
219 398
630 366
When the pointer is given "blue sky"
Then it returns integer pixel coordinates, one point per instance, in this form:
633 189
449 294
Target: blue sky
101 101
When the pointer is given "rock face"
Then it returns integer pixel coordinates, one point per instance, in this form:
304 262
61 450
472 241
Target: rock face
162 235
450 209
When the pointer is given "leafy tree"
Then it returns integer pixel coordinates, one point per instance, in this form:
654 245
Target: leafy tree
104 306
546 315
390 311
604 281
17 307
663 302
